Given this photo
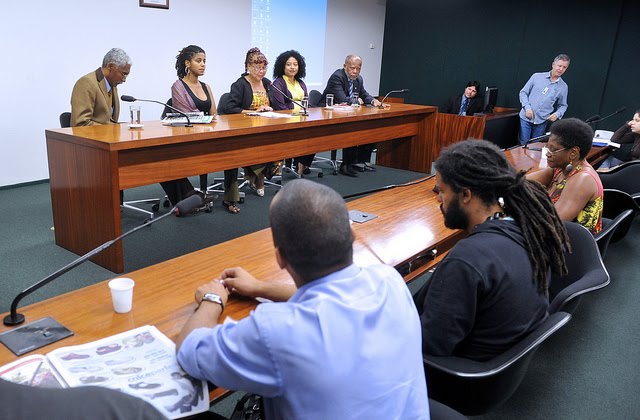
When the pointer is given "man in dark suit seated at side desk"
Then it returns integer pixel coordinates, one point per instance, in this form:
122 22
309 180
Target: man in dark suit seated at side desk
344 345
344 83
467 103
490 291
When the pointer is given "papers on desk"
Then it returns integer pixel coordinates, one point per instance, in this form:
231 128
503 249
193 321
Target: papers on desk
270 114
603 138
141 362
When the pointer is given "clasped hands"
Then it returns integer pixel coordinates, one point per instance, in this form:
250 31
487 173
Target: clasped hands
234 279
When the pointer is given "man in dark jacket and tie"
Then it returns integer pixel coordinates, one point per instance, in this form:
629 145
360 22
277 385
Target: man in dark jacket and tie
343 84
467 103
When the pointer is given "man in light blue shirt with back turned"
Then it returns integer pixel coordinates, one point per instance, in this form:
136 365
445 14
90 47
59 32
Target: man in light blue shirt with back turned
543 99
342 342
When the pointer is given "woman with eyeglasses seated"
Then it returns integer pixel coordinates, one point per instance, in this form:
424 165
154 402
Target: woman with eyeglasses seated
250 94
629 138
288 72
572 183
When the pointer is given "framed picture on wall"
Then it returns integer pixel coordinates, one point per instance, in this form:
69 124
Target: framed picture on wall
160 4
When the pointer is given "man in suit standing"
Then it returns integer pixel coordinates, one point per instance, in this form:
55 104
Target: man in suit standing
467 103
343 84
94 99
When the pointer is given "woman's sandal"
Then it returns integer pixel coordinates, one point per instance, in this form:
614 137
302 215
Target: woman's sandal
231 207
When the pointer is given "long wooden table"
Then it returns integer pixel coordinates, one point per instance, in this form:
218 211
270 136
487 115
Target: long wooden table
88 166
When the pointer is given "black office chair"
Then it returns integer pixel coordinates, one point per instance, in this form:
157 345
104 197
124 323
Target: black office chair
65 122
587 272
617 216
625 177
439 411
617 202
474 388
314 98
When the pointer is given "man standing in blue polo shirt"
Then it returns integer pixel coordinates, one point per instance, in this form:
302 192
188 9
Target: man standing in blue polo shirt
543 99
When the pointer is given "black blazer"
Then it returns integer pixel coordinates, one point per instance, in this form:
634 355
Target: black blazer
452 106
241 95
338 84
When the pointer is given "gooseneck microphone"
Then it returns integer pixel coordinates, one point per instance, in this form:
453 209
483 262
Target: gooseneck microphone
540 139
304 108
618 111
393 91
184 207
128 98
592 118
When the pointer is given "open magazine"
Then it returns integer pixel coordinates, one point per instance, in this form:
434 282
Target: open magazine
140 362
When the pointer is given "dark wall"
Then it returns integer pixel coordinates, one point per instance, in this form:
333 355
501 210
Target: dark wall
433 47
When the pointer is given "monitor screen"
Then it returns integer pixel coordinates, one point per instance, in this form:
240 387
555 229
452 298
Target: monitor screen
490 98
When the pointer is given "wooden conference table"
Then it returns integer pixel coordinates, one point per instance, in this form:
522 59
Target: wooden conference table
404 231
88 166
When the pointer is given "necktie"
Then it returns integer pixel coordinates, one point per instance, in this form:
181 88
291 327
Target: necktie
463 106
350 88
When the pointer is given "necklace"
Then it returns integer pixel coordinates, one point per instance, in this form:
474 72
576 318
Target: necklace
498 216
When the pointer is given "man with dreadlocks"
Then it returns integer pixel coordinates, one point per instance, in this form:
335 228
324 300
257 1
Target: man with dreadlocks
491 290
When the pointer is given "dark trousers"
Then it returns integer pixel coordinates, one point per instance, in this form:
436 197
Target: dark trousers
357 154
177 189
305 160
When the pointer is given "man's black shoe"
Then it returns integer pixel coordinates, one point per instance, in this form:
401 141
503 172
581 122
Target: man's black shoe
369 167
358 167
346 170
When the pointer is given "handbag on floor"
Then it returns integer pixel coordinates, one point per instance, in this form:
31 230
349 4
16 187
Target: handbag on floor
249 407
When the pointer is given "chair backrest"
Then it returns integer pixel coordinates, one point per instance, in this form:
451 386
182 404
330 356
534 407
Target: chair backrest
586 271
609 227
474 388
625 177
617 202
222 103
617 217
65 119
166 109
314 98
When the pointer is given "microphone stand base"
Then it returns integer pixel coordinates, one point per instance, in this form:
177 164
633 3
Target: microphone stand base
34 335
10 320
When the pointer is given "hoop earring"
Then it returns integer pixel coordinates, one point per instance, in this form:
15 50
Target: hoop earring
186 70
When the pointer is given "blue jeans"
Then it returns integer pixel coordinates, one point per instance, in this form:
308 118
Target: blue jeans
610 162
529 130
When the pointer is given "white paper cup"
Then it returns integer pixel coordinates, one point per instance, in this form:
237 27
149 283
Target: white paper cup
121 294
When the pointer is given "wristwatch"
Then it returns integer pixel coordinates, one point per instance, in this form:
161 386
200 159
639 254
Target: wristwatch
212 297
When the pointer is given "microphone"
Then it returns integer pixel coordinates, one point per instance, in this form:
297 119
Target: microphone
304 108
619 110
128 98
540 139
393 91
184 207
592 118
